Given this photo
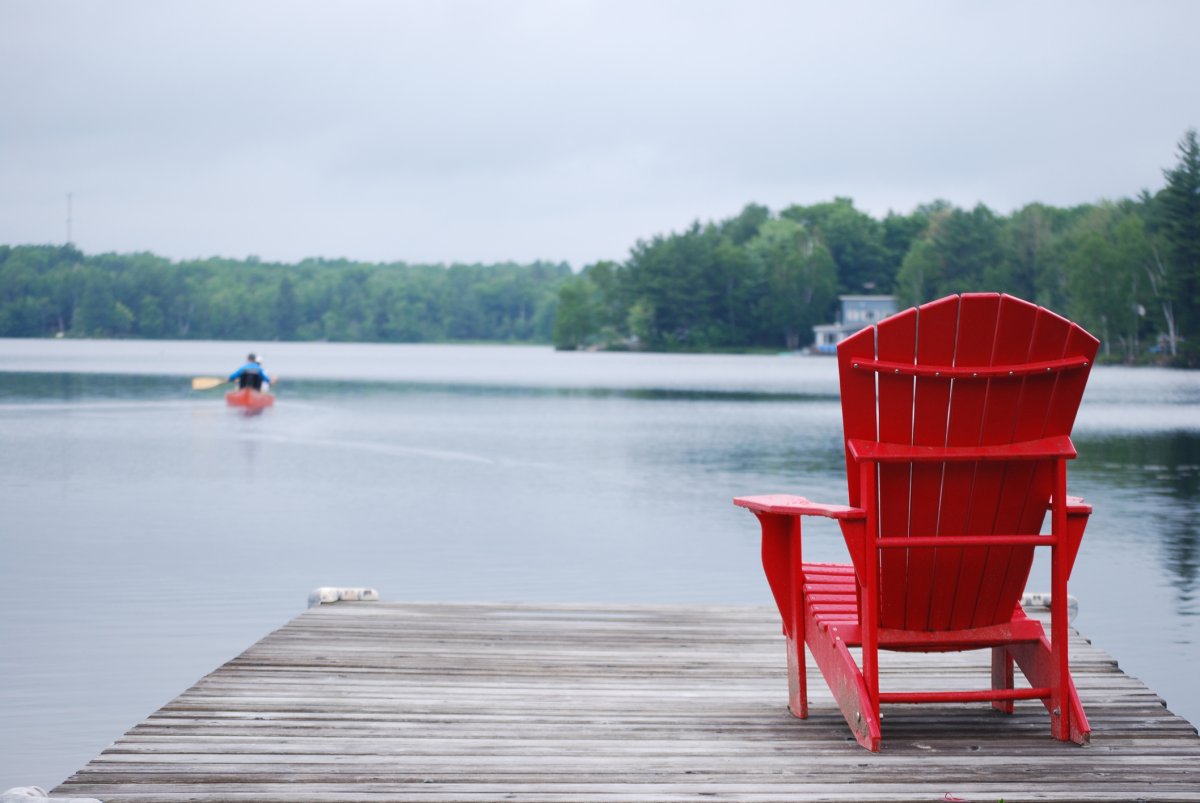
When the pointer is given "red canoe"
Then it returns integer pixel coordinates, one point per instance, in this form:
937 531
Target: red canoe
249 398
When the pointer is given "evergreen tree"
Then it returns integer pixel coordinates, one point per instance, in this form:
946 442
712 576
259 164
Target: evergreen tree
1179 206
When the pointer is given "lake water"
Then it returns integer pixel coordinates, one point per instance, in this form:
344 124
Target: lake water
149 533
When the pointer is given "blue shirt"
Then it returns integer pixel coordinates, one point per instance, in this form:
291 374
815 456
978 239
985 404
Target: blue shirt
250 368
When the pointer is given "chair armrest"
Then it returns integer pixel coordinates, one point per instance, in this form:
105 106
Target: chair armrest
785 504
1076 506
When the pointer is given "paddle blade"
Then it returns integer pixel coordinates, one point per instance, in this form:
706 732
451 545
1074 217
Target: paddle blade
206 382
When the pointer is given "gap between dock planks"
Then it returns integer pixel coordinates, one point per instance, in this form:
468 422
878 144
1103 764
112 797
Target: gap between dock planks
460 702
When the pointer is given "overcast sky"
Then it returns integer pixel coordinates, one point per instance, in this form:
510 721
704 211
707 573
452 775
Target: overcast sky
490 131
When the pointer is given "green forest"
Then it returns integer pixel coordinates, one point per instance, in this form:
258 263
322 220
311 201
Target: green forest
56 290
1128 270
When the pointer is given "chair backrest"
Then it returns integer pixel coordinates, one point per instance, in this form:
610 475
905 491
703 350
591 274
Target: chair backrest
909 380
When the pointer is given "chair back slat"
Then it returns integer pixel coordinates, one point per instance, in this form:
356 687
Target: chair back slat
896 341
977 582
972 347
960 587
937 325
1026 487
858 401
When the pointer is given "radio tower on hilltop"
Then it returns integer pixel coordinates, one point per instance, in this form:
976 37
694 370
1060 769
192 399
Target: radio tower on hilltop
68 218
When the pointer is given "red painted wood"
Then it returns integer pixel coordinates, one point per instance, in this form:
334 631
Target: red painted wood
1040 449
988 539
829 593
973 348
957 419
845 680
1075 504
945 370
796 505
978 589
797 671
896 341
1028 485
1002 677
984 695
1060 708
1036 663
777 546
1068 393
858 400
868 592
936 326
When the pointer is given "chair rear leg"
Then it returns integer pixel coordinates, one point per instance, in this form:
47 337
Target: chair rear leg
1068 722
1002 677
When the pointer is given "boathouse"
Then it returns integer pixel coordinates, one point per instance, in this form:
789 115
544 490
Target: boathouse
857 312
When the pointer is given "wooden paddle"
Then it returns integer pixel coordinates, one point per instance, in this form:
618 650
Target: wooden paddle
207 382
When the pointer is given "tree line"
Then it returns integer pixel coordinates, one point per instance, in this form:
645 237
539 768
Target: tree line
57 290
1128 270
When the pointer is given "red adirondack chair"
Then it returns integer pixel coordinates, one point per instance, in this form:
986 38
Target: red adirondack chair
957 417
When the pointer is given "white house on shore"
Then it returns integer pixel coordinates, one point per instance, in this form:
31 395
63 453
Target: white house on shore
857 312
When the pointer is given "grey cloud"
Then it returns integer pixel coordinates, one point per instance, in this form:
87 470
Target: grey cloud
566 130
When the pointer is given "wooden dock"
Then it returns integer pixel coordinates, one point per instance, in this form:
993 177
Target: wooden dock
435 702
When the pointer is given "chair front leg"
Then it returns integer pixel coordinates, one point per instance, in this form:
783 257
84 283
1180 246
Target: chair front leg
783 564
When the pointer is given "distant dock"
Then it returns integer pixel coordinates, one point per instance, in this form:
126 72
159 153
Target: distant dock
369 701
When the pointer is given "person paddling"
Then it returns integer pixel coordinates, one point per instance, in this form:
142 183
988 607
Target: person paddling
251 375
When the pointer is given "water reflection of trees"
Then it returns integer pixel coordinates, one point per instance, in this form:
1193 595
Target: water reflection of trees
1159 475
40 387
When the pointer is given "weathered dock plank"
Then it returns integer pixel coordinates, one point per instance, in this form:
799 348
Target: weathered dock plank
434 702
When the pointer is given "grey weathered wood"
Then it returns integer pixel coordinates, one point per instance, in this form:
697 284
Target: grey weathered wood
434 702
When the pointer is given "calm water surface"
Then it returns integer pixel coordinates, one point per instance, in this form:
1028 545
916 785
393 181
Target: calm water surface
149 534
